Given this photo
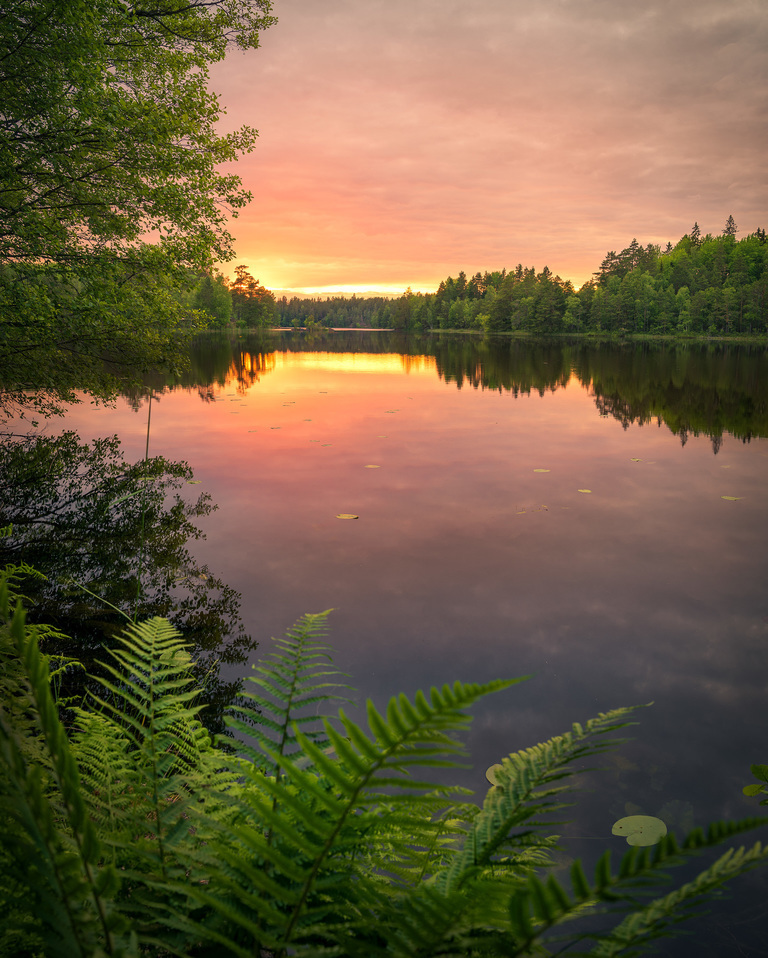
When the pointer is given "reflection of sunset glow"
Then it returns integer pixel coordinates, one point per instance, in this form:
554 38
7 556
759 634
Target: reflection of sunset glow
250 366
360 362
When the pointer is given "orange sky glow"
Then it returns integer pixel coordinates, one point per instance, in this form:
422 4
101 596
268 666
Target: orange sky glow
403 141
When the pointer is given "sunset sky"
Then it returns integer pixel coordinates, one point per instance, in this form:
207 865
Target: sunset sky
402 141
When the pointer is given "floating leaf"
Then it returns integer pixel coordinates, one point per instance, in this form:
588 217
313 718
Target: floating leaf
635 460
274 427
640 829
346 515
393 410
373 467
490 773
382 437
327 443
541 470
732 498
585 490
194 482
253 430
307 420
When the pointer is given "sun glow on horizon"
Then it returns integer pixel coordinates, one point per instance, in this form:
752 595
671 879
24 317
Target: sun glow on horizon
379 289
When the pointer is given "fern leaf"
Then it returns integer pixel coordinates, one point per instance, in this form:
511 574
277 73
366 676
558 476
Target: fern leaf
292 680
52 842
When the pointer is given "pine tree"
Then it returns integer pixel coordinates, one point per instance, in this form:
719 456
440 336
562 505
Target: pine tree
696 234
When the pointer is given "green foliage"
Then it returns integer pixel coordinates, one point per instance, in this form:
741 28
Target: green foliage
761 786
137 835
252 304
212 295
712 285
110 196
113 541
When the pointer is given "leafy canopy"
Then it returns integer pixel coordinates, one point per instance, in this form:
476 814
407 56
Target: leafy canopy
110 193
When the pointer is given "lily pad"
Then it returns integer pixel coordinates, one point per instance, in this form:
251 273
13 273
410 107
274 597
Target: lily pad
640 829
346 515
635 460
373 467
194 482
585 490
732 498
541 470
490 773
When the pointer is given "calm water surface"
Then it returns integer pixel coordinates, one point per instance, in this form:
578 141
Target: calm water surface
523 510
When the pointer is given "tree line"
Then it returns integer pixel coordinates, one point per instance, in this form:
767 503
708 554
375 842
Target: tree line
703 285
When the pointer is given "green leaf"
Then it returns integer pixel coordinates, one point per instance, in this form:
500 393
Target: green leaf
753 789
640 829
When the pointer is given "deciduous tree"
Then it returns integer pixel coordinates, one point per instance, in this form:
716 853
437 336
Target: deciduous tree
110 193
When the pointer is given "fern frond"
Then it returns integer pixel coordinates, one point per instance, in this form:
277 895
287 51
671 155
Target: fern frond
147 758
51 840
631 936
527 791
309 825
292 684
540 906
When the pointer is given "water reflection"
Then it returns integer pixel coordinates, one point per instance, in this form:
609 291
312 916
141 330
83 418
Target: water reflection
112 541
469 562
692 389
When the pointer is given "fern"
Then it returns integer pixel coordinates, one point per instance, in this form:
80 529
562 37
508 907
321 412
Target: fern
137 835
292 683
49 836
540 906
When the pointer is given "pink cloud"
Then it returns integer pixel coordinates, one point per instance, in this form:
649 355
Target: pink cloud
403 141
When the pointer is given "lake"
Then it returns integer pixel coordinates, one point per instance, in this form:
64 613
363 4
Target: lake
595 517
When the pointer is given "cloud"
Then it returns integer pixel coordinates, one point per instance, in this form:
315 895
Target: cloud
401 141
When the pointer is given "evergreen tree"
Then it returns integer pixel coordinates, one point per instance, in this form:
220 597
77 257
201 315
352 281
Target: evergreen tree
696 235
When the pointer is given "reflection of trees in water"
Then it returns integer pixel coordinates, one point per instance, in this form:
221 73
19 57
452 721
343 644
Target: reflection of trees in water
89 521
507 365
694 389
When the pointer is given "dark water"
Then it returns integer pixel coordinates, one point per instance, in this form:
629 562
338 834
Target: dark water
552 510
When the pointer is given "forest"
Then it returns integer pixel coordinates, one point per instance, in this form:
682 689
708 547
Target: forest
702 286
